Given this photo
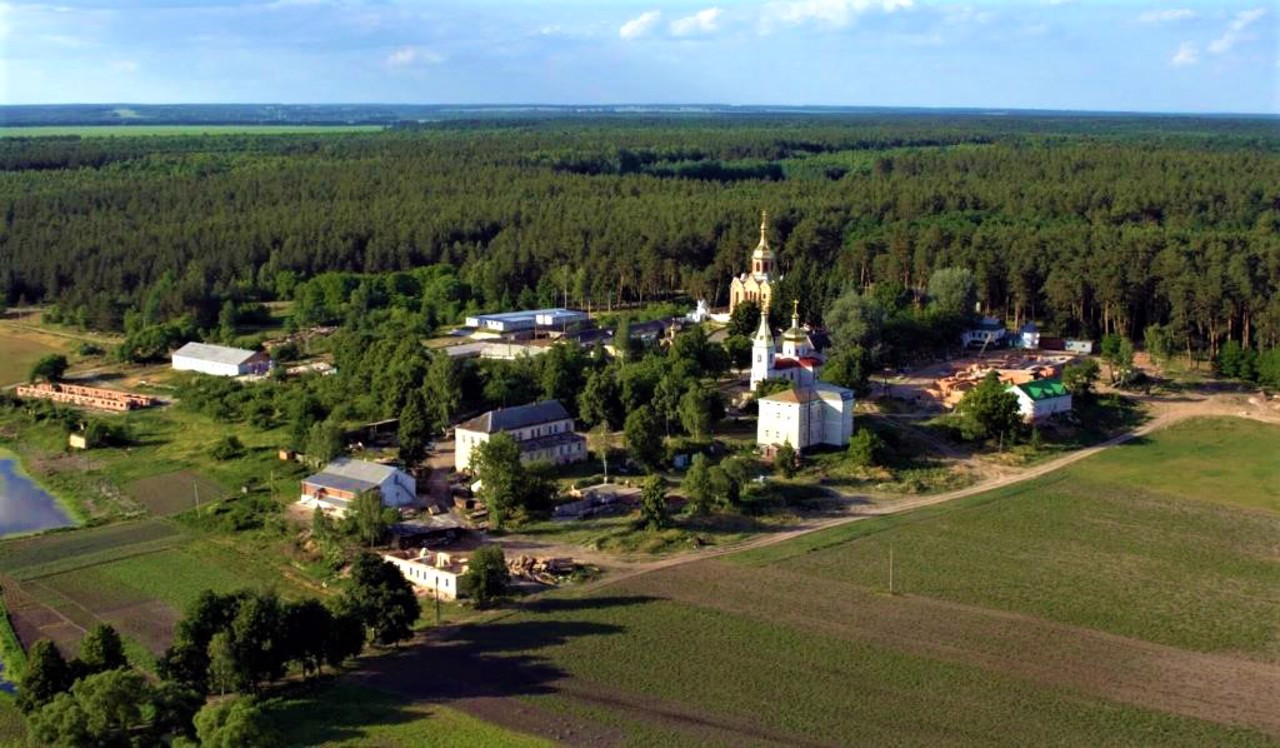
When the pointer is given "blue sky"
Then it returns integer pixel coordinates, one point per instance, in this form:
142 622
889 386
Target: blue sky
1059 54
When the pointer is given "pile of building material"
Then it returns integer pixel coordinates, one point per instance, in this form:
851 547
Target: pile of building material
549 571
951 389
86 397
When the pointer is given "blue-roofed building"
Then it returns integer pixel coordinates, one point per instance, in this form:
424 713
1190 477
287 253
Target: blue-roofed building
507 322
334 488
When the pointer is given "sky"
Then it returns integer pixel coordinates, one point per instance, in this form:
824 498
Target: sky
1032 54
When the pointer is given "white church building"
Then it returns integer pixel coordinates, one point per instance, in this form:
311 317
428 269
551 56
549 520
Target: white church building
819 414
795 360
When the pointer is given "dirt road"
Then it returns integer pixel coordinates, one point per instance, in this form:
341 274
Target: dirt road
1166 411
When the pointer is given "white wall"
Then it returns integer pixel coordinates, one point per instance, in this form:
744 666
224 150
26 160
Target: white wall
427 577
184 363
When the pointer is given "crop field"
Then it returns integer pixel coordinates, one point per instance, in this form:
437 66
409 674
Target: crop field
102 131
22 348
1076 609
138 576
172 493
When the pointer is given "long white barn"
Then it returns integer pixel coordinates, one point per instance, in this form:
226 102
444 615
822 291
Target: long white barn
220 360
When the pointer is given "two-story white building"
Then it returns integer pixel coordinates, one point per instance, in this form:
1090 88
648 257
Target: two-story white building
806 417
544 432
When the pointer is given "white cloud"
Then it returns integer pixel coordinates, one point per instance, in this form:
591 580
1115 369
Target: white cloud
127 67
640 25
1187 54
1234 32
408 56
702 22
1166 16
837 13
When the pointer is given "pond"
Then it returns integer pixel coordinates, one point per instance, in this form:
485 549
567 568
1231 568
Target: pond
24 505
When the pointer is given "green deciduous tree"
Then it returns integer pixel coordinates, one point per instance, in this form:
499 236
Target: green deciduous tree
49 368
47 675
701 408
101 650
952 292
1080 376
697 486
989 410
866 448
368 519
644 437
653 504
745 319
497 464
324 441
414 431
235 723
380 596
487 576
785 460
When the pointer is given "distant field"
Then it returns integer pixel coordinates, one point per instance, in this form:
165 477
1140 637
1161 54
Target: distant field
1085 608
97 131
22 348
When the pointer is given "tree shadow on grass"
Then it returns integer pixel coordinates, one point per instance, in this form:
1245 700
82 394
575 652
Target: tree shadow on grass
492 659
327 711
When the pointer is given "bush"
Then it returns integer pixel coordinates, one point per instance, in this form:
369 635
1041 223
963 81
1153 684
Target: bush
228 448
867 449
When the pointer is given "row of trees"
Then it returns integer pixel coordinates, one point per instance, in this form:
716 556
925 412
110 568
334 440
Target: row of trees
234 643
1097 226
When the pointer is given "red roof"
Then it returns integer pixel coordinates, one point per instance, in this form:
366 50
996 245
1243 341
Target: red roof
808 362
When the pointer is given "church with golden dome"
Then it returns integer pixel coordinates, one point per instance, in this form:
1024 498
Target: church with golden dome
795 360
757 285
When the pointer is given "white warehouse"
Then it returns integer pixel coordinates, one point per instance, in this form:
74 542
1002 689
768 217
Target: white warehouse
220 360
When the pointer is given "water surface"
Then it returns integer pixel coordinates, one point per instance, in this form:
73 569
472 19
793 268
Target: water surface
24 505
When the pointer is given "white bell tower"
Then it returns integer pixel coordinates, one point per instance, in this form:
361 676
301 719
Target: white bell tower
762 350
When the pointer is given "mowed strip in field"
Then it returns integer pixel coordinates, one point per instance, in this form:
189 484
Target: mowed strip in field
1077 609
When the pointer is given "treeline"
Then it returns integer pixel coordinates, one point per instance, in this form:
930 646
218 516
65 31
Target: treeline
1091 226
236 643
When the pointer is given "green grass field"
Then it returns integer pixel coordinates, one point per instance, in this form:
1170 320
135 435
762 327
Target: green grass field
1224 460
102 131
22 348
1003 631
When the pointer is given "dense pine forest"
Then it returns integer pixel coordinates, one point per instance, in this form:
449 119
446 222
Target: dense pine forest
1089 225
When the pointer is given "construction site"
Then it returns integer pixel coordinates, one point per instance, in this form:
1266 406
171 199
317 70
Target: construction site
943 385
86 397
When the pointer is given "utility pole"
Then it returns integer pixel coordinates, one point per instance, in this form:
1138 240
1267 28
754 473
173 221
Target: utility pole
196 487
437 588
890 569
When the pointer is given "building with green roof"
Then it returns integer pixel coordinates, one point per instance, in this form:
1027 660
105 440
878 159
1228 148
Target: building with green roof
1041 398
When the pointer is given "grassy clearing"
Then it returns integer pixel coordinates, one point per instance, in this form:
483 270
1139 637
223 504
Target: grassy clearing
103 131
22 348
168 442
762 676
1222 460
334 714
1083 547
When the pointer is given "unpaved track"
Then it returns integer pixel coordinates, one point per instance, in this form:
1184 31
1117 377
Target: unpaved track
1214 687
1166 411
